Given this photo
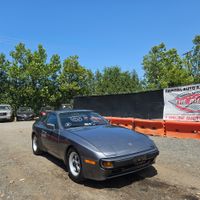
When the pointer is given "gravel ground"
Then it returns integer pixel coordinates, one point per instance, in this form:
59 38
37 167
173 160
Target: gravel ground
23 176
184 154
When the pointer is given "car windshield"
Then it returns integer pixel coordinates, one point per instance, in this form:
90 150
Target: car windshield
4 108
24 109
77 119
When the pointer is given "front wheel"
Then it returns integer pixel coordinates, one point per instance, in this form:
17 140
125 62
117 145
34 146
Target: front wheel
12 118
74 166
35 146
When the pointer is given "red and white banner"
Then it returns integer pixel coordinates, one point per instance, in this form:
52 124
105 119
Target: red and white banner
182 103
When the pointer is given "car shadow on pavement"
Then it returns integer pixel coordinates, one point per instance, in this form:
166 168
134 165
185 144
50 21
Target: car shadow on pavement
122 181
118 182
55 160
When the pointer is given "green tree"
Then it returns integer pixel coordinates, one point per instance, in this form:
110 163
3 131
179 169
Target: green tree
4 81
113 81
29 79
17 77
192 60
33 81
164 68
54 93
74 80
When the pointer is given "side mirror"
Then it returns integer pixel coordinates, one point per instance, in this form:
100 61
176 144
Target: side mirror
51 126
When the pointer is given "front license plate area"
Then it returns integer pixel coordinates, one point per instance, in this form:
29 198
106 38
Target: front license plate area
140 160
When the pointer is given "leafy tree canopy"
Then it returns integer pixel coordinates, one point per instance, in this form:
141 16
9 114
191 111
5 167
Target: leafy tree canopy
29 78
114 81
165 68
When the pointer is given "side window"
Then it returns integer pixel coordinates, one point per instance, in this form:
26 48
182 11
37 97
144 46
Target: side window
52 119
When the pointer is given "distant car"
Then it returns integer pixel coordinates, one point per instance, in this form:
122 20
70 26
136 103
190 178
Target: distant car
45 110
90 147
6 113
24 114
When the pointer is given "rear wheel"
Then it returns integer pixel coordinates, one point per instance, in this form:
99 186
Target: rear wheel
74 166
35 146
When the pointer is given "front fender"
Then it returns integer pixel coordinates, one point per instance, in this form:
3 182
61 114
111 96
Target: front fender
84 148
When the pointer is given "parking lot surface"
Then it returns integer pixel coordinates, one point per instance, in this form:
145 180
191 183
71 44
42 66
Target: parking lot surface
23 176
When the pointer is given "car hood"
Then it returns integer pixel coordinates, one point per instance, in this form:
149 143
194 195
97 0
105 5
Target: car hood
113 140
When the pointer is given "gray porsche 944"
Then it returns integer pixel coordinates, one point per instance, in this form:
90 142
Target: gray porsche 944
90 147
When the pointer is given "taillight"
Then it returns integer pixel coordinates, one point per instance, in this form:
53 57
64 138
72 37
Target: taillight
43 113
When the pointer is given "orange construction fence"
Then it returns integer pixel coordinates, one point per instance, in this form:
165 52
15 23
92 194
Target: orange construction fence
176 129
150 127
182 129
124 122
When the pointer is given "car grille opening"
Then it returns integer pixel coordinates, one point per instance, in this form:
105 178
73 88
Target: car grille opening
132 165
130 168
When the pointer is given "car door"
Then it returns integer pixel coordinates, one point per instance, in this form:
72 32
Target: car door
50 134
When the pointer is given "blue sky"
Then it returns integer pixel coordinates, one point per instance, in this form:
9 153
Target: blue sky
101 32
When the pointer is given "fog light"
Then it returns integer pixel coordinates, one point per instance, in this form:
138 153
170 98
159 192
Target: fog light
107 164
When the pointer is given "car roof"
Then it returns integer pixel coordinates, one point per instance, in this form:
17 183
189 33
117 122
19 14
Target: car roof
70 110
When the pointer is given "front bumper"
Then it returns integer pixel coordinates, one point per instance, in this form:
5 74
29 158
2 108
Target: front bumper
5 117
122 165
25 117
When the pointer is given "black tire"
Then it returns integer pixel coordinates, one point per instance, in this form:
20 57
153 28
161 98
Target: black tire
35 145
12 119
78 178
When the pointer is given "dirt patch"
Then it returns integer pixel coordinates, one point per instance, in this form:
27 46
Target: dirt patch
25 176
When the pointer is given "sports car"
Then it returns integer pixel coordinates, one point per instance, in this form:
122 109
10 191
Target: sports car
90 147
